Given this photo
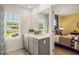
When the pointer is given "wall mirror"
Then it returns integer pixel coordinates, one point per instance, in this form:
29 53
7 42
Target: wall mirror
43 21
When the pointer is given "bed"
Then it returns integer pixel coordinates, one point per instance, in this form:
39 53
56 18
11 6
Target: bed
65 40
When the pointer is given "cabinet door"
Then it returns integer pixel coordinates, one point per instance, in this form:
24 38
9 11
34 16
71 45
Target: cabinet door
35 47
44 46
31 45
26 42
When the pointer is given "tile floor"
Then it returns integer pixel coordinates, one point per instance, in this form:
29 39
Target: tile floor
58 51
18 52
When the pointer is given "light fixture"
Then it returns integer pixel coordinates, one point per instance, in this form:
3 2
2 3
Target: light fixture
29 6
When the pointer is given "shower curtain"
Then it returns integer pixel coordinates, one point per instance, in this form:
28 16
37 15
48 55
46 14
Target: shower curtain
2 44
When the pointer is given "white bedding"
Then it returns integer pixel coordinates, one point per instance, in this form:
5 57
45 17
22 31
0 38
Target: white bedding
57 38
66 36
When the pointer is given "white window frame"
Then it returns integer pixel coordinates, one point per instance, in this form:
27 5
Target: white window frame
5 27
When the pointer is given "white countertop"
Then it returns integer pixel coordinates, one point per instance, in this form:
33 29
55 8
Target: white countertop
41 36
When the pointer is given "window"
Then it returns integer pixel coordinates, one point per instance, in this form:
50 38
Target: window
12 24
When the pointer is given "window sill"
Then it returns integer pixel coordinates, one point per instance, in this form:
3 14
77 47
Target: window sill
14 38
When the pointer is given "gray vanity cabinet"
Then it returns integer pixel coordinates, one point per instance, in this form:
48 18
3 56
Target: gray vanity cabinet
39 46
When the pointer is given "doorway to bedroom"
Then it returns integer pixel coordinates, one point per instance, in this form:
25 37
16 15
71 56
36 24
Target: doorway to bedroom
66 29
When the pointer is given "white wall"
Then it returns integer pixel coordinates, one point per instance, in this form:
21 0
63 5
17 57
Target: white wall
25 19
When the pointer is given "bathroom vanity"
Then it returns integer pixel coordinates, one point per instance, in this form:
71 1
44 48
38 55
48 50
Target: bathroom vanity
37 44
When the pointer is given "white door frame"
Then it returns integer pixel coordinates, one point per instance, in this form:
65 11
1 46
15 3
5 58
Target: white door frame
51 28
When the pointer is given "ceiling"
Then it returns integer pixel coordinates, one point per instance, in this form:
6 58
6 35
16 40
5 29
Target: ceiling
29 6
59 9
66 9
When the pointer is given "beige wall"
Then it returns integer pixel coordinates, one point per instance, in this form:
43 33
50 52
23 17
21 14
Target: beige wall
69 23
